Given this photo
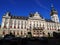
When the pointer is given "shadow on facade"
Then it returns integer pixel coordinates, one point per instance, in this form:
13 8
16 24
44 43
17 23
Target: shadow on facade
10 39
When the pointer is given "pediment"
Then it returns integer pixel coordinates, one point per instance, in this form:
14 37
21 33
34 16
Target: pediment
36 16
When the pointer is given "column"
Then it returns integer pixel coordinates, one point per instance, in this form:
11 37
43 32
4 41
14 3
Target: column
13 23
3 22
16 24
7 25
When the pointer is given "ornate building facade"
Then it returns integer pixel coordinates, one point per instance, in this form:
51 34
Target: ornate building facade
35 24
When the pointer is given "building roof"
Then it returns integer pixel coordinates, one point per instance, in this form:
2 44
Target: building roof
53 11
19 17
0 26
25 18
22 17
32 14
48 20
15 17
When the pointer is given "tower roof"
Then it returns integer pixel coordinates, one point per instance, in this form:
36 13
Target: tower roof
53 11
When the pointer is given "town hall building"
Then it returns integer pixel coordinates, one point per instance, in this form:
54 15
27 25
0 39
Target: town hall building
35 24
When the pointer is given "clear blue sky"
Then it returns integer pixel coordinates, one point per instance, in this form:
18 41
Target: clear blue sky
24 7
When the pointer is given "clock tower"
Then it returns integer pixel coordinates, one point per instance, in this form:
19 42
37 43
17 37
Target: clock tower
54 14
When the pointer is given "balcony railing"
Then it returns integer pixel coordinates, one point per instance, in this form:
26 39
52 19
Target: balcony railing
38 28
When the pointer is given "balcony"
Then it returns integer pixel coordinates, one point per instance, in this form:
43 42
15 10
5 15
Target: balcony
38 28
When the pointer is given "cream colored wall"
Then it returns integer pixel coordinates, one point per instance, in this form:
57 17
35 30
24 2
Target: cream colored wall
38 20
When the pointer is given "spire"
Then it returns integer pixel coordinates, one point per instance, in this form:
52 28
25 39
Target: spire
53 11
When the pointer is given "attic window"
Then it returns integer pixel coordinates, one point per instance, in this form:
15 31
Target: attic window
22 17
16 17
19 17
13 16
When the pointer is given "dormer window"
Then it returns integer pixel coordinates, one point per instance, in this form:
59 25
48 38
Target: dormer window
22 17
19 17
16 17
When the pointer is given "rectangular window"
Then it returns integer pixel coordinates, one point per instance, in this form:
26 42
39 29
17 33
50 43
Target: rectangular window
15 24
37 25
18 24
21 24
25 24
5 23
17 32
4 32
30 26
40 25
11 23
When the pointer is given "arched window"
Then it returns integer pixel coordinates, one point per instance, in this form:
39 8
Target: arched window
17 32
14 26
25 24
14 32
10 26
21 32
11 23
21 24
48 34
18 27
4 26
18 24
4 32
